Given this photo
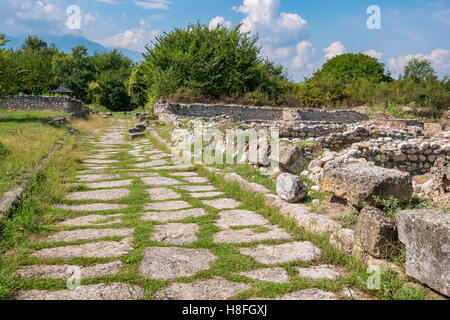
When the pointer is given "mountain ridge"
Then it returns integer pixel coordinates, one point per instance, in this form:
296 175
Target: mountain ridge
65 43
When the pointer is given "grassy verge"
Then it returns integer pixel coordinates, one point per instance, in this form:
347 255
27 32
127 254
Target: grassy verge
25 138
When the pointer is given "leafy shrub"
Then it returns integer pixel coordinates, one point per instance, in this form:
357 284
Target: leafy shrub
350 66
198 62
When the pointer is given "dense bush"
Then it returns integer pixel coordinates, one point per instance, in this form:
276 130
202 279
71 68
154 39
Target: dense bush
349 66
37 69
200 63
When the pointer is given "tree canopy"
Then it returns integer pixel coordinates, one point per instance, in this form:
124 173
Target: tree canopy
214 63
350 66
419 70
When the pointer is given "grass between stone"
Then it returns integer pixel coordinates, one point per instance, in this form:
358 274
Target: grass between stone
35 217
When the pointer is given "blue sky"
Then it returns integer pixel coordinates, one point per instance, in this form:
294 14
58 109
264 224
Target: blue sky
299 34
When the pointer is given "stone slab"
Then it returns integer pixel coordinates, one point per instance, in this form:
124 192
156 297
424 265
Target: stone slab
88 234
319 272
251 235
66 271
175 233
195 179
102 249
310 294
173 215
105 194
167 205
160 194
202 195
171 263
92 220
97 177
113 291
109 184
287 252
91 207
197 188
239 218
160 181
277 275
151 164
213 289
143 174
224 203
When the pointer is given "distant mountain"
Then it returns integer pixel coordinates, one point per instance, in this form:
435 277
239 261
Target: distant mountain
67 42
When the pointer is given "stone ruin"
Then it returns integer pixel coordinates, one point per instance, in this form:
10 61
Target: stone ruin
362 162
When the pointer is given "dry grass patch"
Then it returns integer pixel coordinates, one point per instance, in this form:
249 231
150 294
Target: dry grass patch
92 123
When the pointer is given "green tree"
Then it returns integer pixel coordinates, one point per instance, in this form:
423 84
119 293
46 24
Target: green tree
419 70
211 63
113 71
138 86
350 66
74 71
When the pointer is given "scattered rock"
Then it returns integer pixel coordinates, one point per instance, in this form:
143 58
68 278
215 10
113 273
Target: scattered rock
291 188
359 183
426 235
343 240
375 233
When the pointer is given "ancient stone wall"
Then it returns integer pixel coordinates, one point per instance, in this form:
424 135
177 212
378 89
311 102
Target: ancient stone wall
64 104
170 111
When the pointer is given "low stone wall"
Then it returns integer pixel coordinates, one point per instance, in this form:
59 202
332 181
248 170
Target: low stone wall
171 111
64 104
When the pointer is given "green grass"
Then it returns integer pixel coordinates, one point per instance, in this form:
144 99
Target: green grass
36 217
25 138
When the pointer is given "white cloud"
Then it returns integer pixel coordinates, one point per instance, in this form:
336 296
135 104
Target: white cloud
305 51
132 39
154 4
263 17
439 58
106 1
218 21
335 49
374 54
276 53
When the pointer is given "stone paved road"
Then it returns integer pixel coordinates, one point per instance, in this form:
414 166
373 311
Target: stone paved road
140 226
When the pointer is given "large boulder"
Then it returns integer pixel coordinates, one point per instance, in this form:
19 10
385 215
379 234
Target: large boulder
426 234
375 233
291 188
360 183
291 156
439 188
